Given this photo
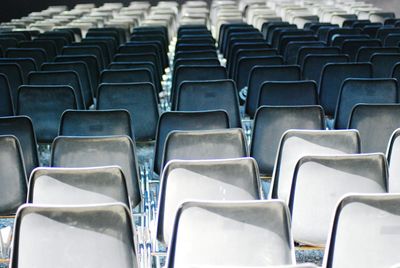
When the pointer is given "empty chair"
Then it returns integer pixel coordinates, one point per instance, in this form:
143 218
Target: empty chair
210 95
305 51
171 121
27 65
45 105
313 65
195 54
74 235
81 68
314 197
298 143
37 54
383 64
383 32
13 180
332 78
99 151
85 50
355 91
126 76
21 127
95 123
288 93
351 47
376 123
14 76
361 218
204 144
393 154
242 234
392 40
271 122
293 48
364 53
139 99
77 186
141 57
246 64
195 73
261 74
238 179
197 62
59 78
6 102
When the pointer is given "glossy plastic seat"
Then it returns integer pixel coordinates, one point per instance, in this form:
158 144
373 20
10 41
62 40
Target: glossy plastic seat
204 144
139 99
242 234
45 105
13 180
6 102
95 123
383 64
364 53
355 91
313 65
77 186
172 121
298 143
74 235
14 76
361 218
99 151
271 122
332 77
37 54
210 95
314 197
237 179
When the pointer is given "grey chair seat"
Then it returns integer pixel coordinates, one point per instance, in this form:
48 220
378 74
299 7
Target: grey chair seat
74 235
77 186
241 234
226 179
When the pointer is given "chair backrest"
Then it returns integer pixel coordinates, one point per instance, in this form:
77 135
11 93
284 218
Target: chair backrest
364 53
96 123
355 91
139 75
171 121
292 49
305 51
210 95
298 143
195 73
84 50
393 155
288 93
27 65
71 232
14 75
242 234
314 63
246 64
332 78
261 74
139 99
271 122
59 78
22 128
204 144
141 57
351 47
45 105
81 68
376 123
383 64
343 174
360 218
77 186
99 151
217 180
6 101
13 182
37 54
